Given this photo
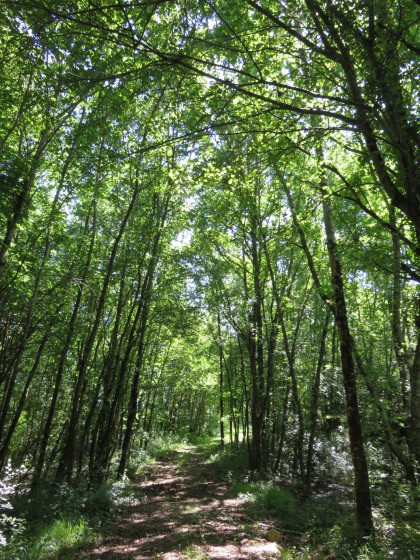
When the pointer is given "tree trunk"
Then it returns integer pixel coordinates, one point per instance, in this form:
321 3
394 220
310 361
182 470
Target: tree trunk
10 431
414 433
221 404
63 356
314 405
22 200
361 474
146 293
397 337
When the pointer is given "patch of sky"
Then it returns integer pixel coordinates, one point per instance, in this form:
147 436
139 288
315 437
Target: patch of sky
211 23
112 83
286 214
182 240
69 208
190 202
270 221
23 27
362 278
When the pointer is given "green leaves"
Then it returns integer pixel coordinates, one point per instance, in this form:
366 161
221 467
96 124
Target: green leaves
221 111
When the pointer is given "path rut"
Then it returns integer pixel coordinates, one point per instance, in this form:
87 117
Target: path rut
180 512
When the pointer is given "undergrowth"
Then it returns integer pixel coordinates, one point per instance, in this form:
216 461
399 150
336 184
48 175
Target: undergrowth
322 525
231 462
162 446
59 519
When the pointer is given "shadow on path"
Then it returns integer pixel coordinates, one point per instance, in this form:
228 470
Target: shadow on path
182 512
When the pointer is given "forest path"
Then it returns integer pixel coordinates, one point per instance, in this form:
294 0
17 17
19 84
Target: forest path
181 511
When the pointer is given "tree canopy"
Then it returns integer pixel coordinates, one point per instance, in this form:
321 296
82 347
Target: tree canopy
210 216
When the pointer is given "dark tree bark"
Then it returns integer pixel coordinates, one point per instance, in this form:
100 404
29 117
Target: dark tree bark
22 199
403 363
255 344
361 474
4 449
161 213
68 454
414 433
221 384
63 354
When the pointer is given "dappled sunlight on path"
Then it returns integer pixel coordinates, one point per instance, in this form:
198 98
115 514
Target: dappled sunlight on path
182 512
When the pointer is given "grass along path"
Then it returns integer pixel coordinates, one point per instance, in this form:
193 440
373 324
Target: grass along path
181 511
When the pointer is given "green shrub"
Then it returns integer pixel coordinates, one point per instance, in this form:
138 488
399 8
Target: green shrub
242 489
163 445
56 521
53 541
268 499
203 439
323 512
264 498
233 460
137 462
279 502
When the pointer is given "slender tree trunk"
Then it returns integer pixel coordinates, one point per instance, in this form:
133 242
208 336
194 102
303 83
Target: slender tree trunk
113 387
65 467
255 343
63 356
221 403
295 396
397 337
146 293
285 414
361 474
28 330
314 405
414 433
22 401
35 295
22 200
233 419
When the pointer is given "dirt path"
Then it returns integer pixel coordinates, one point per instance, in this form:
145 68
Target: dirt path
182 512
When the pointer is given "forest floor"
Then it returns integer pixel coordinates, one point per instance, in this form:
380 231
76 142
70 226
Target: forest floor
180 510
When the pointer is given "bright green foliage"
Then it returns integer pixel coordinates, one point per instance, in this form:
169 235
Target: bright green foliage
164 270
